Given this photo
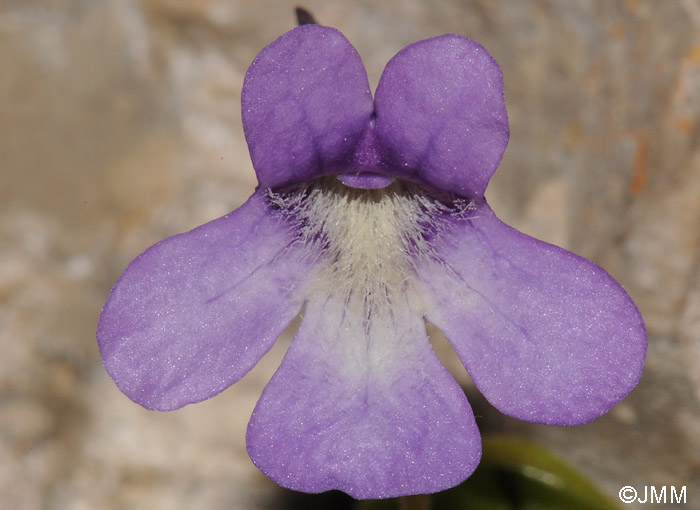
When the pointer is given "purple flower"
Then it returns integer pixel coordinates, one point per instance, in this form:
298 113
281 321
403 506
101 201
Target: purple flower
370 218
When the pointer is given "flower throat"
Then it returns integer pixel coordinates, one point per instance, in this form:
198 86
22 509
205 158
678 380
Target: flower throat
367 240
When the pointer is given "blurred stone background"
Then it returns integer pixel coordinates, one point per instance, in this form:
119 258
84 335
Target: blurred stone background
120 125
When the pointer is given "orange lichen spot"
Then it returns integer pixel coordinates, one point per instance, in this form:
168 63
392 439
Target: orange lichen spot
640 170
633 5
685 124
618 32
693 55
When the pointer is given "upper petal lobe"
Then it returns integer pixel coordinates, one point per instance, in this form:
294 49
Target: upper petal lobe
441 115
193 313
306 104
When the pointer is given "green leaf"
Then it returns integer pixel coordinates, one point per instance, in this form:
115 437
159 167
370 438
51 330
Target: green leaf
519 474
513 474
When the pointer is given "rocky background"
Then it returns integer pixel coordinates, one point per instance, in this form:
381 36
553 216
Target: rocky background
120 125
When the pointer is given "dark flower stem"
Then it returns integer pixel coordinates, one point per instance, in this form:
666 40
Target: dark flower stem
304 17
417 502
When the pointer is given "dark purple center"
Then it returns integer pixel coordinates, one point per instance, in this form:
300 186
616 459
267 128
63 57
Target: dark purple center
365 180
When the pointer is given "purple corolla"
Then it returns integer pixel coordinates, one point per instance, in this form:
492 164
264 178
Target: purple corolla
369 219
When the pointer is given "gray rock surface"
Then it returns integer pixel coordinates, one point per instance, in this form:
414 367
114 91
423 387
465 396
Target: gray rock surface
120 125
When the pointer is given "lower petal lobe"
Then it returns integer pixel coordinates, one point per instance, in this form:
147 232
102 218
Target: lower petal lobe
195 312
362 404
546 335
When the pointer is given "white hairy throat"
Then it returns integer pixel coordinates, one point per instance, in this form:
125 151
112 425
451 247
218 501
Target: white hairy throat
366 245
367 241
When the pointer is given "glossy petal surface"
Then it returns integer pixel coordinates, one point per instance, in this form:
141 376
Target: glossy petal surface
306 104
441 116
364 407
193 313
547 336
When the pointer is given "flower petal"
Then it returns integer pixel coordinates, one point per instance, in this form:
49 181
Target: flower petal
306 104
193 313
546 335
363 407
441 114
